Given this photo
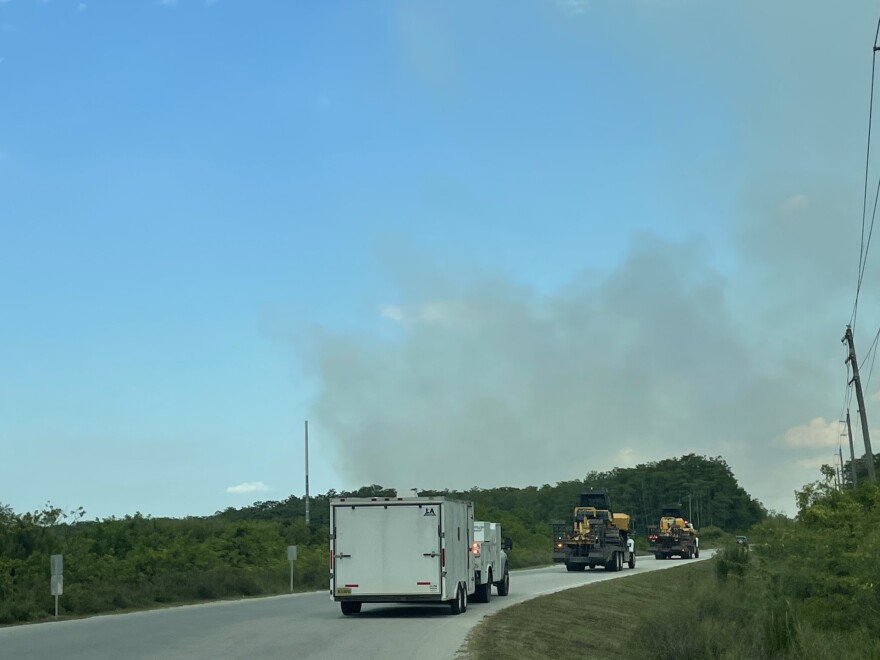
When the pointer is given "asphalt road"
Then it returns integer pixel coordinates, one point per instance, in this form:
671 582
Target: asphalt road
298 626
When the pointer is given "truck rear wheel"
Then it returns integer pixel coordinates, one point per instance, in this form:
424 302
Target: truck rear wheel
504 586
572 568
696 553
349 607
484 591
632 559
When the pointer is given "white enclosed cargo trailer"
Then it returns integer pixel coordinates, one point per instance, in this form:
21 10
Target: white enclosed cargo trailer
401 550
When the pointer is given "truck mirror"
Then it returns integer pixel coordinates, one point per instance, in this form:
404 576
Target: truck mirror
508 544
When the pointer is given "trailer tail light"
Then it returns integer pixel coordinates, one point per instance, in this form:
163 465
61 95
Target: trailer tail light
442 557
475 548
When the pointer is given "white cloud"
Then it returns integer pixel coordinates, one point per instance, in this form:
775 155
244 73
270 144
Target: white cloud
626 457
81 7
393 312
818 433
795 203
574 7
816 461
248 487
446 312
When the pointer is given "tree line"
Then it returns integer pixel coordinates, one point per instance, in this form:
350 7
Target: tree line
138 561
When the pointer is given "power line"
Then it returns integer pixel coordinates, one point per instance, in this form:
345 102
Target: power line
862 247
872 347
873 357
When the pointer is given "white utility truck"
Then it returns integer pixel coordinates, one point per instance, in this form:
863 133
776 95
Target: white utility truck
490 560
401 550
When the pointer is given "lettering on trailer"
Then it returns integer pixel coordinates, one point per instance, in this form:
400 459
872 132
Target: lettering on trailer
430 512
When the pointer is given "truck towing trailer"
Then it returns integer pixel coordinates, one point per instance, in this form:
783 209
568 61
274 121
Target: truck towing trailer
597 536
673 535
402 550
490 560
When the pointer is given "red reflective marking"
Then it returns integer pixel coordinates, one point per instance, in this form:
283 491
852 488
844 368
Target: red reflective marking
422 583
352 585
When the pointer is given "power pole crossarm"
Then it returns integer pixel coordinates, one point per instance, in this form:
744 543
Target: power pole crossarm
854 363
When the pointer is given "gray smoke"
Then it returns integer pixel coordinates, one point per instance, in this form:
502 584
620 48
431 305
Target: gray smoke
483 381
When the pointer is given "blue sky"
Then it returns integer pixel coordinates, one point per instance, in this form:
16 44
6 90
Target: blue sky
218 219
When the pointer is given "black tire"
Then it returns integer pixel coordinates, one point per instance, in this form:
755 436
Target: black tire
455 605
348 607
484 591
464 599
696 553
592 567
504 586
613 564
658 556
632 560
571 568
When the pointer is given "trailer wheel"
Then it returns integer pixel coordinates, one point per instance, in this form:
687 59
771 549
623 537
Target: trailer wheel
464 598
349 607
696 553
504 586
632 559
456 605
572 568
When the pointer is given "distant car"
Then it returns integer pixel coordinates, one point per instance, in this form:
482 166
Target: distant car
742 540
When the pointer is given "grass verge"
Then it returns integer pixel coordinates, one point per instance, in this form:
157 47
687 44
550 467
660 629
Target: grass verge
594 621
727 608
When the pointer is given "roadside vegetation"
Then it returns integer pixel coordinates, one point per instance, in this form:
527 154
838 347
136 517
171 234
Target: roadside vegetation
806 589
138 561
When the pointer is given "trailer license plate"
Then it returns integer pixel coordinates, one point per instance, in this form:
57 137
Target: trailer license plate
343 591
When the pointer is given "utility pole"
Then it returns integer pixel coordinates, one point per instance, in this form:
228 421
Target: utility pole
840 472
307 472
852 453
854 363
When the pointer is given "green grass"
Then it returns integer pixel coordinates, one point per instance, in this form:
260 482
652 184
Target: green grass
717 609
593 621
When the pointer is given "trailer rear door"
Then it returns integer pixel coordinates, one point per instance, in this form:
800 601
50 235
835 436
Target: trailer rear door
387 549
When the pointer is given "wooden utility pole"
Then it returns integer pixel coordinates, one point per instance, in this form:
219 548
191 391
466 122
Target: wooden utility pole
307 472
854 363
852 453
